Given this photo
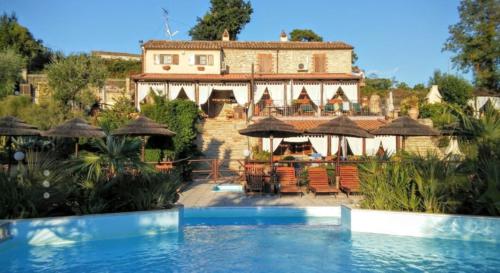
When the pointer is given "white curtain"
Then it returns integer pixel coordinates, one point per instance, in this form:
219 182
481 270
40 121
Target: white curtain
356 145
320 144
388 143
276 92
144 88
266 143
351 92
240 92
335 145
176 87
296 139
329 90
312 89
259 91
205 91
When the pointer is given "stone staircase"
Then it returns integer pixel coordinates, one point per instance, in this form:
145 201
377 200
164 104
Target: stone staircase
220 139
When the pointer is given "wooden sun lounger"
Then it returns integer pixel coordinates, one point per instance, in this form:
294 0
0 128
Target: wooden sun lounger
318 181
254 178
349 179
288 181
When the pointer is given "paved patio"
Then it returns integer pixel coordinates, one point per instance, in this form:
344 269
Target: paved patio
200 194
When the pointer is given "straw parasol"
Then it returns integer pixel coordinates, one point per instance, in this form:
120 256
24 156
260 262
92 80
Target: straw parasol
143 126
12 126
76 128
405 126
341 127
270 127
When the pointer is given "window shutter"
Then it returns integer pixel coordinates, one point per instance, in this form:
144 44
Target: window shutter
175 59
319 62
210 59
265 62
197 59
156 59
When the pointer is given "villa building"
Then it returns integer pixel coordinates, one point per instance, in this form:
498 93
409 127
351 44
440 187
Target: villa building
233 82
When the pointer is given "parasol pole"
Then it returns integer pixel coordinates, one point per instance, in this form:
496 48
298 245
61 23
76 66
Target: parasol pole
76 147
143 144
337 168
9 144
271 149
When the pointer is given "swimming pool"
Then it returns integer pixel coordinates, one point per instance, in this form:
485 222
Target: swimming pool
256 240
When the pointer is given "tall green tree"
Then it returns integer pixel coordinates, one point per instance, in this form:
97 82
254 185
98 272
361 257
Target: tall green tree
454 89
475 40
11 65
15 36
305 35
73 78
232 15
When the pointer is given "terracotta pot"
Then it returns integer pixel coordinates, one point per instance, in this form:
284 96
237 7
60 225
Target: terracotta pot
413 112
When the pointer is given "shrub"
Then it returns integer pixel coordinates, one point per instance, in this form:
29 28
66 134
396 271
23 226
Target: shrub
180 116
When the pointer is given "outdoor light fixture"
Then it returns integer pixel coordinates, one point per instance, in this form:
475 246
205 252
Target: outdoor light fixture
19 156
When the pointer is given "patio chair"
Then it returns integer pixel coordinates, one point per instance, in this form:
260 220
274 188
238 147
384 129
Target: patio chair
318 181
288 181
254 176
306 109
356 108
349 179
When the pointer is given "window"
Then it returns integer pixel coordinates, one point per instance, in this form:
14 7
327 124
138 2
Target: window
167 59
319 62
203 59
265 63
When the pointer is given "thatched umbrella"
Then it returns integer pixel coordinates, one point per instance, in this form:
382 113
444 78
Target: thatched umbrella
12 126
341 127
404 127
270 127
76 128
143 126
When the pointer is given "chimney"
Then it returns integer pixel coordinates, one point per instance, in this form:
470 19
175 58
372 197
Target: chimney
225 35
283 36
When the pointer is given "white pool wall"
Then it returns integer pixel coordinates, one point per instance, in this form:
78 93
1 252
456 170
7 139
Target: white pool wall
445 226
71 229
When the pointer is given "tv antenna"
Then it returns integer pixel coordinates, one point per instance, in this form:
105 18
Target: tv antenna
168 32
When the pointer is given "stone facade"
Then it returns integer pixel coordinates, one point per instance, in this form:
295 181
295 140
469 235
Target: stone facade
284 61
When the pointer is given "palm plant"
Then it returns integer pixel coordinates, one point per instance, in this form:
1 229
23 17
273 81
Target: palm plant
112 157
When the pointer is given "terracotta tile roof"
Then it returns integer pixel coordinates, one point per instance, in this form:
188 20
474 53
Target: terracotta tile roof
244 77
219 45
367 124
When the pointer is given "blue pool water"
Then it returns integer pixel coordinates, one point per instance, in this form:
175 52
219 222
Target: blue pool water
258 246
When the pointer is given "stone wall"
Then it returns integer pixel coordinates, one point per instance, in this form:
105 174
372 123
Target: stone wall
287 61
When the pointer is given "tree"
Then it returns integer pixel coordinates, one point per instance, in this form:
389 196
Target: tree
19 38
232 15
403 85
305 35
11 65
73 79
118 115
454 89
476 43
419 86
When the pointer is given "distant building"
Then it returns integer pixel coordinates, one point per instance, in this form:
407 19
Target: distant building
434 96
116 55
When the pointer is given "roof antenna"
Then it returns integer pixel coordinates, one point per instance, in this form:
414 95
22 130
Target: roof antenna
168 33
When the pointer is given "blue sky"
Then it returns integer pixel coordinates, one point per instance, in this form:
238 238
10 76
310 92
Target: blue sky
393 38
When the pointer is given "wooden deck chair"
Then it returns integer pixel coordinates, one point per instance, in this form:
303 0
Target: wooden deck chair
349 179
254 175
288 181
318 181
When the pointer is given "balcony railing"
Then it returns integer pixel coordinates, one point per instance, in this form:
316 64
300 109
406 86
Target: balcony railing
309 108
